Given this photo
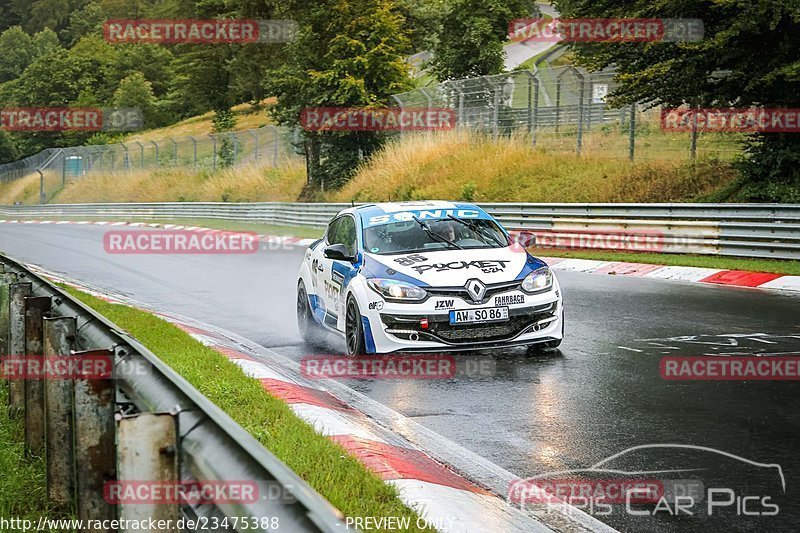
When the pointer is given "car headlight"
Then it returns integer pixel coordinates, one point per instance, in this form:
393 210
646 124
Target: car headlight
539 280
393 289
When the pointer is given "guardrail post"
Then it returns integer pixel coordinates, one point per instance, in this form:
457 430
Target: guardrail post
95 446
59 334
6 278
36 309
148 451
16 343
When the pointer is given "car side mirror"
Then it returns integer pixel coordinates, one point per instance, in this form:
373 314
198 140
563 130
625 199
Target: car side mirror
338 252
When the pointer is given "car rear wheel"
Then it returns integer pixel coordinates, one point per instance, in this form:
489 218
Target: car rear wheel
354 329
311 332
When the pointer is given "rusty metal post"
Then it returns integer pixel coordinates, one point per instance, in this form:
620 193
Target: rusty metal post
36 309
17 293
59 335
6 278
148 451
95 446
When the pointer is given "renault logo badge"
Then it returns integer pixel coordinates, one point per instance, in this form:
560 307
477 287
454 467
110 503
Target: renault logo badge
476 289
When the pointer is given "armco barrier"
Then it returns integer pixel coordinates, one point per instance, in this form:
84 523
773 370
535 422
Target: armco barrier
147 423
746 230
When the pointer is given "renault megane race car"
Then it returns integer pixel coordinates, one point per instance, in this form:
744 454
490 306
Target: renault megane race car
424 276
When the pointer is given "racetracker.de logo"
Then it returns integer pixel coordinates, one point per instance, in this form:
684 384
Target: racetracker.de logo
377 119
379 367
34 367
179 242
730 120
573 490
189 31
578 239
735 368
615 30
180 492
70 119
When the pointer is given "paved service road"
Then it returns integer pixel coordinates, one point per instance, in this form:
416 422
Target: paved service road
601 394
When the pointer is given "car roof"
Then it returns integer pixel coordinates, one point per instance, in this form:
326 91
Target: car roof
370 210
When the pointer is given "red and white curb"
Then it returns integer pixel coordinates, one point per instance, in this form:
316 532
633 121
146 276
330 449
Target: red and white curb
710 276
443 498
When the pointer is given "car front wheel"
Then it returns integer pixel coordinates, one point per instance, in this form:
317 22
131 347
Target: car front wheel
354 329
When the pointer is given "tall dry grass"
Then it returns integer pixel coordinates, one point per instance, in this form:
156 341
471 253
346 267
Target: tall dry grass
25 190
469 166
240 184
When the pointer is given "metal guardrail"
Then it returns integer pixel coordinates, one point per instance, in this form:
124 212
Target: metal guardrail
207 445
745 230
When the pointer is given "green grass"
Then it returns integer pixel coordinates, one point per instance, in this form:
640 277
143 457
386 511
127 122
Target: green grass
326 466
777 266
22 482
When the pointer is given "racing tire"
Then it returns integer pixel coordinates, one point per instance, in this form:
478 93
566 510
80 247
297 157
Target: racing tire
311 332
354 329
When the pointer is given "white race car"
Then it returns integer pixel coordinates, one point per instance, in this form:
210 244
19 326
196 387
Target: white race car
425 276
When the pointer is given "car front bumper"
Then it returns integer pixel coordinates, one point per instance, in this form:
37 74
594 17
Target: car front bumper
425 326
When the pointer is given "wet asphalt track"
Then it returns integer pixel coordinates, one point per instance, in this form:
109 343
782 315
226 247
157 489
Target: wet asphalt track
599 395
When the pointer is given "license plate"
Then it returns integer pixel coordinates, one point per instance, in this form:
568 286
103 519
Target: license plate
487 314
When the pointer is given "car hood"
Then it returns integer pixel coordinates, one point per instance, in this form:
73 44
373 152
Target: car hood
453 268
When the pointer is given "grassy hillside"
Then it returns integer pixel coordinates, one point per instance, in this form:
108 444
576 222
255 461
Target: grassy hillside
472 167
456 165
247 118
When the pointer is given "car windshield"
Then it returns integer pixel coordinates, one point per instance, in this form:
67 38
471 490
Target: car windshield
411 236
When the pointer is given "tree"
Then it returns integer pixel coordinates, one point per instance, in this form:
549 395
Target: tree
97 61
49 14
135 91
747 57
16 53
8 149
88 20
471 36
13 12
44 42
347 54
422 19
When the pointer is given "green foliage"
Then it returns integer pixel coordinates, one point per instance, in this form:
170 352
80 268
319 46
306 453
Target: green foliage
135 91
8 148
224 120
88 20
747 57
16 51
468 191
44 42
470 39
347 54
769 167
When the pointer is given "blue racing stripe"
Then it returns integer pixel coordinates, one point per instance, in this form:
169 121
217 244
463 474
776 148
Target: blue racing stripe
369 341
